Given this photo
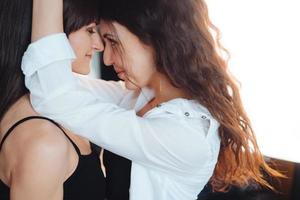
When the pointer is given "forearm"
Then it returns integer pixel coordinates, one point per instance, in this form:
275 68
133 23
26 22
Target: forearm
47 18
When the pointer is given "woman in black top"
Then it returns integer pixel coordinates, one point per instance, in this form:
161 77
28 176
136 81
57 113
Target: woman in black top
39 160
85 182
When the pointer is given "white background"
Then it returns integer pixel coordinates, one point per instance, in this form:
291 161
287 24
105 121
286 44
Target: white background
263 37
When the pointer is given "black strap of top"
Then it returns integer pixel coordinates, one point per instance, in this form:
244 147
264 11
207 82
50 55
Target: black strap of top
95 148
37 117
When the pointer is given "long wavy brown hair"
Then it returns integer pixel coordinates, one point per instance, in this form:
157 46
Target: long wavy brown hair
188 51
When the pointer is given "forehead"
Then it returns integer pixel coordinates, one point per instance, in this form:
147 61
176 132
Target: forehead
111 28
105 27
118 31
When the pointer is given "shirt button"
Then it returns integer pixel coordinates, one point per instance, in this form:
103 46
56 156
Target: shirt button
203 117
187 114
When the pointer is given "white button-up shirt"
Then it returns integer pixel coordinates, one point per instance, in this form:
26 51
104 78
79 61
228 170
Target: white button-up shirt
174 147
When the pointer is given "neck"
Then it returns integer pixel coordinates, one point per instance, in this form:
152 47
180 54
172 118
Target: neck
164 90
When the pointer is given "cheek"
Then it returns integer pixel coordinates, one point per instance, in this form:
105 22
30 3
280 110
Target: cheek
139 63
142 73
76 47
80 46
145 68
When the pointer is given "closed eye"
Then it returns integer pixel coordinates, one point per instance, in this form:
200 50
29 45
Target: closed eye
92 30
110 39
112 42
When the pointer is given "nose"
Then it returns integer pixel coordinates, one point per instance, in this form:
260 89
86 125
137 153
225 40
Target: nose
97 45
108 56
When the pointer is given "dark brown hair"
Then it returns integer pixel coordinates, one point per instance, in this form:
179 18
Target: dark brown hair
79 13
180 33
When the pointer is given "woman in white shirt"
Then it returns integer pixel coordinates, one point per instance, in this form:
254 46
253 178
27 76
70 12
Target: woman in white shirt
180 121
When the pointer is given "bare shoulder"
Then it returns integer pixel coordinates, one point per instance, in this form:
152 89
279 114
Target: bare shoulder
38 144
39 162
39 133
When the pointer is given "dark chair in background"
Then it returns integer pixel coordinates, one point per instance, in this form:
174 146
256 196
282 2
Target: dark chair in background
249 193
287 188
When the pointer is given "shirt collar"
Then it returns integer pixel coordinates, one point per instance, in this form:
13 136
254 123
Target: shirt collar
179 106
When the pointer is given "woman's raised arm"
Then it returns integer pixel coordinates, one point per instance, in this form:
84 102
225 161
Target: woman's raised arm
47 18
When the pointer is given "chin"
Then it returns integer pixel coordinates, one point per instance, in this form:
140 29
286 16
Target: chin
130 86
86 72
81 70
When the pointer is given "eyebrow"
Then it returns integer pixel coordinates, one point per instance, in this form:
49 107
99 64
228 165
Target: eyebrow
92 25
108 36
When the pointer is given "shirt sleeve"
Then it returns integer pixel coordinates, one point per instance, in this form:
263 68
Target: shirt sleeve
111 91
54 54
164 142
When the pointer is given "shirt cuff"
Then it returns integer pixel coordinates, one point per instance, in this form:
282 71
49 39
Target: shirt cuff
47 50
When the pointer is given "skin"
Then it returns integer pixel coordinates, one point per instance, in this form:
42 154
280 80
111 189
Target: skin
38 146
85 43
136 65
33 148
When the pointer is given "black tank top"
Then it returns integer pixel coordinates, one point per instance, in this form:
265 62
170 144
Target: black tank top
87 181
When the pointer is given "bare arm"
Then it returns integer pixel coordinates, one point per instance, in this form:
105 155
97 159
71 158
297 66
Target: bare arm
47 18
41 167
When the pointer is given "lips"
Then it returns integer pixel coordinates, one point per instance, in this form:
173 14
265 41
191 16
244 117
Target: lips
122 75
118 70
89 56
